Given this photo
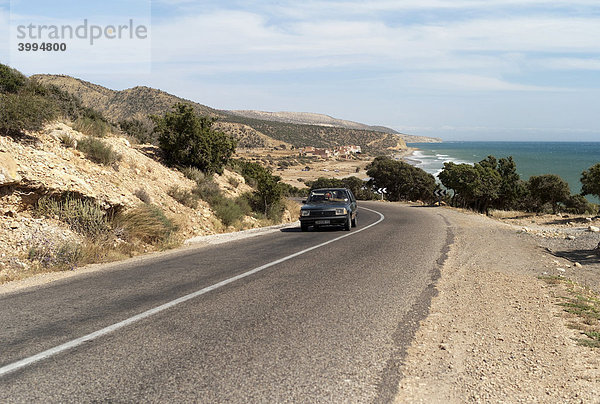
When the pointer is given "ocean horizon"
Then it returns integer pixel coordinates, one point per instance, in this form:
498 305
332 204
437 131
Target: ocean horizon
565 159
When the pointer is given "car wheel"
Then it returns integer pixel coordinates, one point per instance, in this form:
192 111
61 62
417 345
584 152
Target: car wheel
303 227
355 220
348 223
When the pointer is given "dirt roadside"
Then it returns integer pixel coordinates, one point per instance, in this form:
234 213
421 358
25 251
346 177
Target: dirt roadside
495 332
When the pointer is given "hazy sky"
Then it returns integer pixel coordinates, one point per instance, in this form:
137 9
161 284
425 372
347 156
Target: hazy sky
458 69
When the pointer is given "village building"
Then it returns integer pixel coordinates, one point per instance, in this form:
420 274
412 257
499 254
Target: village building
340 151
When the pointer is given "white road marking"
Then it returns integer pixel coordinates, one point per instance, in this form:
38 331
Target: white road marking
107 330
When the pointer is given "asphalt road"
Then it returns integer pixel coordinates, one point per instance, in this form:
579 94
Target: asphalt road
328 325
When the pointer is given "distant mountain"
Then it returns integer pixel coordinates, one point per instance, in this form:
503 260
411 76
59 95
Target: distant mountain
309 118
420 139
251 128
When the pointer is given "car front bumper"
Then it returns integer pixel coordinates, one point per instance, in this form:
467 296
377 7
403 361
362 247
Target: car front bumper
324 221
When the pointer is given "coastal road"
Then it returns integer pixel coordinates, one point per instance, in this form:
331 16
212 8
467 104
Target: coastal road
325 317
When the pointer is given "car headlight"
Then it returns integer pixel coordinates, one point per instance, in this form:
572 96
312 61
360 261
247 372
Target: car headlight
305 213
341 211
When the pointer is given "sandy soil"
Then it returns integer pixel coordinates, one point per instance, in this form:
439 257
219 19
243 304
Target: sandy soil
495 332
567 237
328 169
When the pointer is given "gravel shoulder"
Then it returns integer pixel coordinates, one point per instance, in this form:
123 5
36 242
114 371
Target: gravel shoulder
495 332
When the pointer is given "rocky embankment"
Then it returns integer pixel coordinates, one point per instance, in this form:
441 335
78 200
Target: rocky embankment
43 164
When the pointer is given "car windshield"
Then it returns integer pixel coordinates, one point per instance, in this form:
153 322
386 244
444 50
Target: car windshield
327 195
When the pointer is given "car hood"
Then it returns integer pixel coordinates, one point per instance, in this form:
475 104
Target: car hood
326 205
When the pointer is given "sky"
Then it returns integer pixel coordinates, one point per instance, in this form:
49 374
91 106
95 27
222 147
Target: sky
510 70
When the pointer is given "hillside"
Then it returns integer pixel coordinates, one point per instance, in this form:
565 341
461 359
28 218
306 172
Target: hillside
138 102
74 191
133 103
308 118
48 164
420 139
300 135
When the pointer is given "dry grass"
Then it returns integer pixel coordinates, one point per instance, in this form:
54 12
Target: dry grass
147 223
194 174
583 308
49 255
98 151
68 141
143 195
92 126
292 207
84 216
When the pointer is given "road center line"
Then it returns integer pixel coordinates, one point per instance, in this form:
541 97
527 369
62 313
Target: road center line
112 328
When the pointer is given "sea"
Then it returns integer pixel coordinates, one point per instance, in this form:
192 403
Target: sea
566 159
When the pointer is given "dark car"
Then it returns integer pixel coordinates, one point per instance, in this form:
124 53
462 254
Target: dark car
329 207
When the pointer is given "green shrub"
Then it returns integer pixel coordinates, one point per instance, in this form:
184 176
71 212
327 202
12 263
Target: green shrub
98 151
273 212
402 180
228 210
11 80
547 191
290 190
184 197
578 204
269 189
67 105
590 181
208 191
92 126
324 182
26 105
83 215
147 223
24 112
233 182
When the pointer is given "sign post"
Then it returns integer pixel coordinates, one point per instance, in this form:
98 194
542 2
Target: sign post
382 191
440 193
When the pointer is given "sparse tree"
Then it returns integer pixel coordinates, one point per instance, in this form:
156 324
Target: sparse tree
475 186
269 190
548 189
402 180
590 180
512 188
491 183
187 139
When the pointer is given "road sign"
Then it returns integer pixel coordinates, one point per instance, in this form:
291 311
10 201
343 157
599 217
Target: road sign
382 191
440 192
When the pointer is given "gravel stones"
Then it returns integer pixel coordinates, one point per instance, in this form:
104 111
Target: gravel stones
503 336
